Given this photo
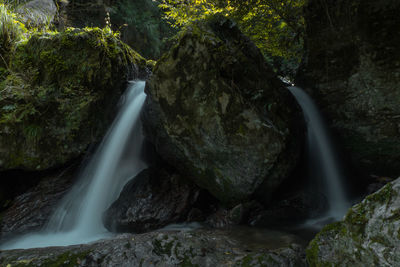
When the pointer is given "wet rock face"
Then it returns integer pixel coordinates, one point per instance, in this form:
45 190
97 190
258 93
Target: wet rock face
31 210
61 95
156 197
368 235
198 248
216 112
352 69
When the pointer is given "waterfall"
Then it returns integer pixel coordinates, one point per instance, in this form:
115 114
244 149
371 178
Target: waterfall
321 151
78 219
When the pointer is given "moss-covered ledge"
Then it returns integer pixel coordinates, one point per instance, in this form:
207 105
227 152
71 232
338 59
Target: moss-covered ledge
60 94
369 234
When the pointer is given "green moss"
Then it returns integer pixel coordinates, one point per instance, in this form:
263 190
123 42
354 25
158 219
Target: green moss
380 240
60 93
163 247
66 259
188 255
186 262
151 64
357 219
395 215
312 251
128 245
247 261
383 196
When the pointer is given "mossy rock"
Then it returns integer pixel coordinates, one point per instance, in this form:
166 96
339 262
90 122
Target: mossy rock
169 248
61 95
367 236
217 112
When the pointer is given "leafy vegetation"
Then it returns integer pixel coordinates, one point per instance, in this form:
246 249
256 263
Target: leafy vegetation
11 32
276 27
55 89
142 26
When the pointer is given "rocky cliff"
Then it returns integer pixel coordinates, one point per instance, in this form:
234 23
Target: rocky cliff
352 68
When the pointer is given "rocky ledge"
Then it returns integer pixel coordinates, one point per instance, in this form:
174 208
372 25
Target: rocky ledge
369 234
195 248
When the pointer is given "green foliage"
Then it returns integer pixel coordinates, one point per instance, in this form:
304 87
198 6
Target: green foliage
55 93
184 12
13 3
276 27
142 26
34 20
11 32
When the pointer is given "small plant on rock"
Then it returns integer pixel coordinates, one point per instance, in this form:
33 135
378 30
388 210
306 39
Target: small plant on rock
11 32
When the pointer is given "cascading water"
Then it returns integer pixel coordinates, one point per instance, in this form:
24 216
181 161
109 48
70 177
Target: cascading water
321 149
78 219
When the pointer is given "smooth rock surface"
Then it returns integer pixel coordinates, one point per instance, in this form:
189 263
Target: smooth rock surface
197 248
369 234
216 112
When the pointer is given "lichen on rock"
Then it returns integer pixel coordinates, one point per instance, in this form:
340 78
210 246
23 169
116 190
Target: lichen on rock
367 236
217 113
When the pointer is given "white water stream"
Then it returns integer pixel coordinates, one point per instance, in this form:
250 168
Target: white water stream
78 219
321 148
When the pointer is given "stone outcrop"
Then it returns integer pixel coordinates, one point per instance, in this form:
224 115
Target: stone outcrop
31 210
195 248
352 69
156 197
217 113
369 234
61 94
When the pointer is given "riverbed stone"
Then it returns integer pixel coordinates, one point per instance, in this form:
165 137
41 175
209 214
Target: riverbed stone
174 248
217 113
369 234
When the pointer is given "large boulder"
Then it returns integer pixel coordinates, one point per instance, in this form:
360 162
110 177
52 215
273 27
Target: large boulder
369 235
217 113
60 95
352 69
156 197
